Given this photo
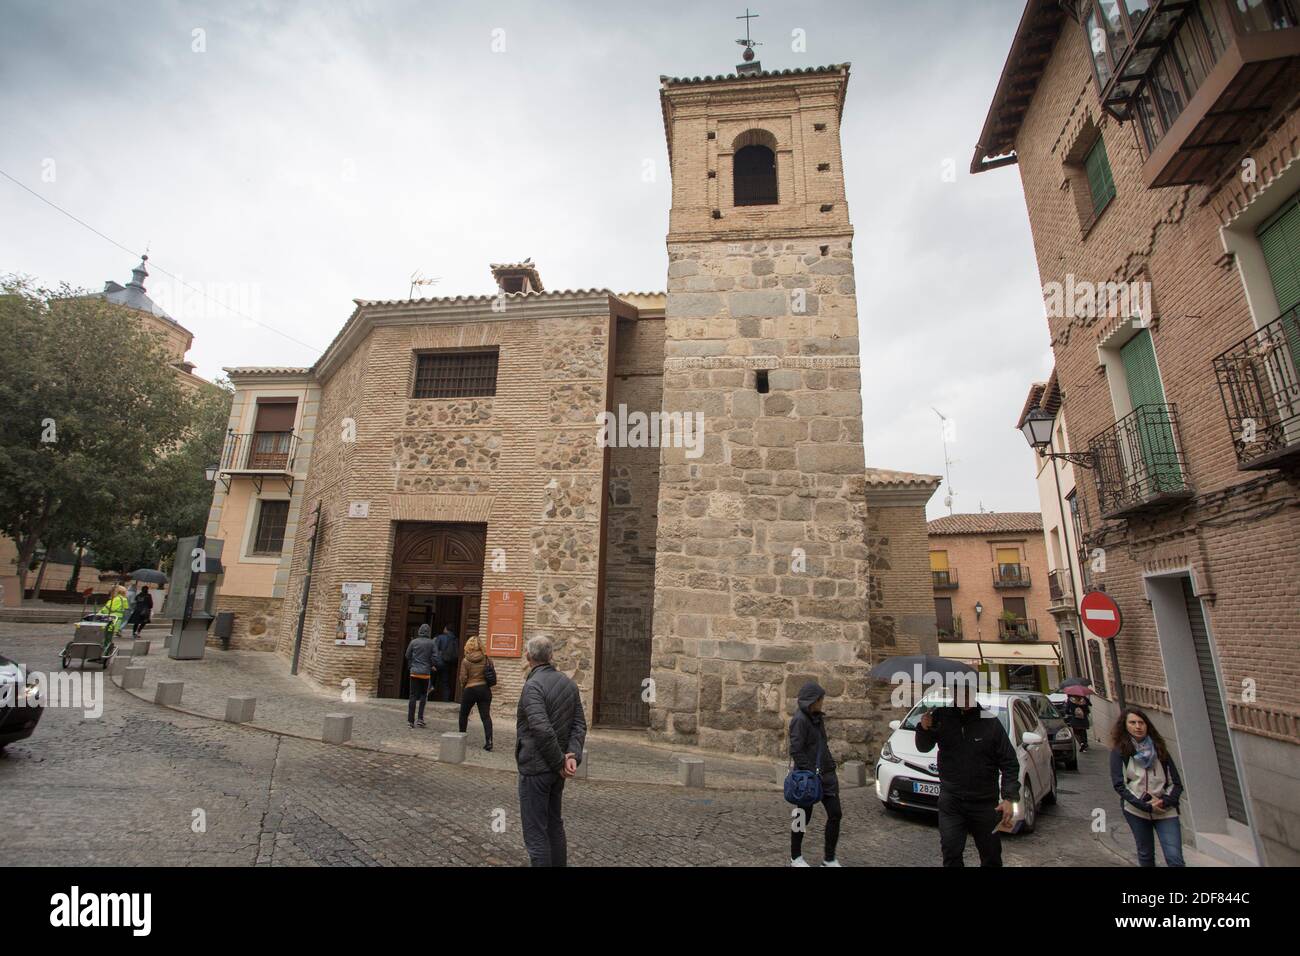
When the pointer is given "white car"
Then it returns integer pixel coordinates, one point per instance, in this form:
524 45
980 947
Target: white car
909 779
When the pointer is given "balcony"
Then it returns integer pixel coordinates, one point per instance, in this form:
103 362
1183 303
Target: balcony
950 630
1202 78
1138 463
1060 590
945 580
1260 388
1010 576
1019 629
258 455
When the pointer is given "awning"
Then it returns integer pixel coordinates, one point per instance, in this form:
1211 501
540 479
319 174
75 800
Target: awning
1044 654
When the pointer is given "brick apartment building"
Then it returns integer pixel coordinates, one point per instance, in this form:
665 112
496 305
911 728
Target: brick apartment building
990 579
691 586
1157 145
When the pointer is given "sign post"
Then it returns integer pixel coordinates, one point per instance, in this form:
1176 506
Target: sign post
1102 619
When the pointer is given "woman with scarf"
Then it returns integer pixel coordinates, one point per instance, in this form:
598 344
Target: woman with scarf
1143 774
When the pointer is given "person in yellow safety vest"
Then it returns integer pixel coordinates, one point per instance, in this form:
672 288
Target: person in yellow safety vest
116 608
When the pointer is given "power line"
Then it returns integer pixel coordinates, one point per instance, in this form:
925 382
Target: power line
158 268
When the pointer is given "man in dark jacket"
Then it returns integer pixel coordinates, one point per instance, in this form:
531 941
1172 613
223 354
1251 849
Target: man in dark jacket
419 664
550 730
444 663
973 750
809 750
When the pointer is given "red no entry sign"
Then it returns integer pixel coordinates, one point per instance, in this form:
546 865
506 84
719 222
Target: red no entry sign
1101 617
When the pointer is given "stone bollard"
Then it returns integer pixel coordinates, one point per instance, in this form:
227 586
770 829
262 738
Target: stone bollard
451 749
239 708
169 692
117 665
140 649
690 771
853 773
132 678
338 728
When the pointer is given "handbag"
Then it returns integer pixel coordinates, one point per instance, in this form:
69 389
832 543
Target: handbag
803 788
490 673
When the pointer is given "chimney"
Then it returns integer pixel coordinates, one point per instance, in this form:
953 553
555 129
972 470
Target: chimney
517 277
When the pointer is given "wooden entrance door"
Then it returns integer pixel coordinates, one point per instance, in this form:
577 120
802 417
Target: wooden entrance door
429 559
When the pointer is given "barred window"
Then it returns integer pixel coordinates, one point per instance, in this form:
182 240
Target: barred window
460 374
271 519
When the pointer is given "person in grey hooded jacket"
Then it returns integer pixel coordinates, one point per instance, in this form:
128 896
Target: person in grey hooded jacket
419 663
809 750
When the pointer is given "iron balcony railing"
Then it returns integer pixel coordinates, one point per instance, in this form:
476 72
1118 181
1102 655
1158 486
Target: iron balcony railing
1260 388
1060 588
945 580
1138 462
259 452
1021 629
1010 576
952 630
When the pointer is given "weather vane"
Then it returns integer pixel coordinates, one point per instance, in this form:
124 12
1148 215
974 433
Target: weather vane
747 43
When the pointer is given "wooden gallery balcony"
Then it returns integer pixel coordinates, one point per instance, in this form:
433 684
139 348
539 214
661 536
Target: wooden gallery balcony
1138 464
1060 591
1201 78
258 455
1260 387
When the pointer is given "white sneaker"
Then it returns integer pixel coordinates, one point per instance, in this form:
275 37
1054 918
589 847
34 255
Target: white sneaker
831 863
798 861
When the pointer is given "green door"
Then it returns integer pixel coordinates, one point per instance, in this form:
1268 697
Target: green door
1280 240
1158 467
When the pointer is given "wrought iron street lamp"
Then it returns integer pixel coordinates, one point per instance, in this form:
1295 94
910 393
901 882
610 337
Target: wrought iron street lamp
1037 430
211 472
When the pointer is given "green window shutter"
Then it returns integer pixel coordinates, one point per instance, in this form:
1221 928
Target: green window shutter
1101 185
1155 437
1139 358
1280 240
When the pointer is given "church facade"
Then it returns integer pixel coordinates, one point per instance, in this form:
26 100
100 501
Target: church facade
672 486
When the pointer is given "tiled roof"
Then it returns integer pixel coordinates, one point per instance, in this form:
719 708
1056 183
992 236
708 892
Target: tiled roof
1044 395
519 296
264 370
990 523
885 477
764 74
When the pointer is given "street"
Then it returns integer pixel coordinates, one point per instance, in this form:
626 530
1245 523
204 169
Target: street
143 785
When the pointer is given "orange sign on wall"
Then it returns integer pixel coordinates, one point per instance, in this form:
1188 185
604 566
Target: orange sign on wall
505 623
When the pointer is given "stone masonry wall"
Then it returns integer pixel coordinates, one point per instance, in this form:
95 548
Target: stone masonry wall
761 570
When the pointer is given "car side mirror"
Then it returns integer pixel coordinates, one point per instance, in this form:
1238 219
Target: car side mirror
1029 738
895 724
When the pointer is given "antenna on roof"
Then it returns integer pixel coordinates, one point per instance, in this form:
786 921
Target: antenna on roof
947 462
417 278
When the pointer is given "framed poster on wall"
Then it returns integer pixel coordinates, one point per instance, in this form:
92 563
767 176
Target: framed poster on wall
505 630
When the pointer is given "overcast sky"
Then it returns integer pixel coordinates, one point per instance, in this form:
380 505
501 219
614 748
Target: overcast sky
290 157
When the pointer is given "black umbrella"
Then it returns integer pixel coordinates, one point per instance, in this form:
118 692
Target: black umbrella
919 668
149 576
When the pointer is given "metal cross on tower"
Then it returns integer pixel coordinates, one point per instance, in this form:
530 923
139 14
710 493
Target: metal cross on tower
747 43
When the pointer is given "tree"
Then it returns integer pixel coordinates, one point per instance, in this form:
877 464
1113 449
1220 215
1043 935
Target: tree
91 404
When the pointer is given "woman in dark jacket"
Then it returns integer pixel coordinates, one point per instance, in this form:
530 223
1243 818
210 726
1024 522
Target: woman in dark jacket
1143 774
1077 709
810 751
474 690
141 611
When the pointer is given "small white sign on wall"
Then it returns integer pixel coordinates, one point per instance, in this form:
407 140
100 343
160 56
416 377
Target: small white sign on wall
359 509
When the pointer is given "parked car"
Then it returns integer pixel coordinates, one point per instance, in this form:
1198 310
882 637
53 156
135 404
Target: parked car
907 779
20 705
1064 747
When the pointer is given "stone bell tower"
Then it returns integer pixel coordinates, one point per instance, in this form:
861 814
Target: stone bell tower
761 575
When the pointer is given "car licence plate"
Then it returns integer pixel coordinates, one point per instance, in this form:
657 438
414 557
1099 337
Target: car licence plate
926 789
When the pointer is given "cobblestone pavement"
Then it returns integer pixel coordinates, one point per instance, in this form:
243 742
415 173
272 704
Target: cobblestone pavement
126 788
